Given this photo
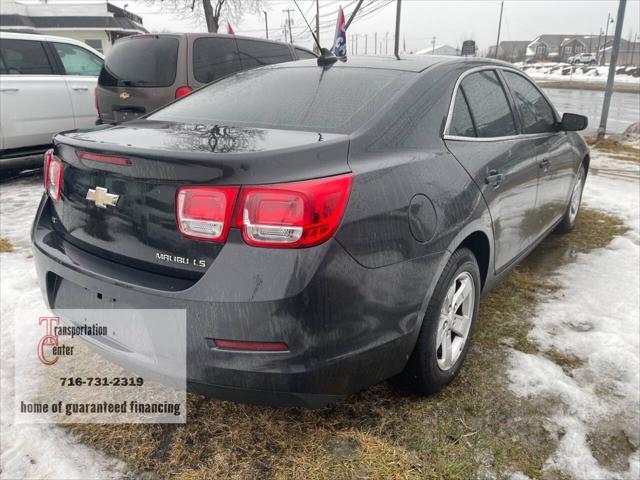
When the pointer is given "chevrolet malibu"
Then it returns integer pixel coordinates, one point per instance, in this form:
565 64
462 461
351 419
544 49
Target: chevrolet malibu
324 227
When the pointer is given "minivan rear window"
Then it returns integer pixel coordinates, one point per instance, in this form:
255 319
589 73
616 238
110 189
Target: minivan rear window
334 100
141 61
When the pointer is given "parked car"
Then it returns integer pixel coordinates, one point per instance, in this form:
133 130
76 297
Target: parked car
46 86
325 228
585 58
144 72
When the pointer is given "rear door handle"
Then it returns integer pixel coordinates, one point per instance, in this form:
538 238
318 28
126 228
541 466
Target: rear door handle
9 89
494 178
80 89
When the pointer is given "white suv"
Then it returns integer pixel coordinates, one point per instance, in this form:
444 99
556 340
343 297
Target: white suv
586 58
46 86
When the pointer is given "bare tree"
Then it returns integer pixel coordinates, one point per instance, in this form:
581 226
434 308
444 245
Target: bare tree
210 12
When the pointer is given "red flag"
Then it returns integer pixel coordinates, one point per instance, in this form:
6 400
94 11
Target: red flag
230 29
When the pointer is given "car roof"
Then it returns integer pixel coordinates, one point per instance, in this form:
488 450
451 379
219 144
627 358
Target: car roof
47 38
408 63
206 34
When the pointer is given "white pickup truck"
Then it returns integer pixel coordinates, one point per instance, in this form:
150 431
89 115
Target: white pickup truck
47 86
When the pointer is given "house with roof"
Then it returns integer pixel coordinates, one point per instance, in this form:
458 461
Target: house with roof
510 50
558 48
97 23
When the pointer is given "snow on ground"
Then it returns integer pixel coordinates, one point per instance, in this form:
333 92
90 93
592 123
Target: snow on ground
32 451
596 317
592 74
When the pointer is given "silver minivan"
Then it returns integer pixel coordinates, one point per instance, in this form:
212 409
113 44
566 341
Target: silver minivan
144 72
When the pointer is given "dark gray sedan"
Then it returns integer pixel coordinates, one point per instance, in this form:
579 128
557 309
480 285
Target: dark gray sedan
325 227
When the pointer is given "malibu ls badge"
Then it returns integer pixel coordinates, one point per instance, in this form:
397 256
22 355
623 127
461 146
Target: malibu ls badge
101 197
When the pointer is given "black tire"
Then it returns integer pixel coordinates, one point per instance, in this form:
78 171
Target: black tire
568 221
422 373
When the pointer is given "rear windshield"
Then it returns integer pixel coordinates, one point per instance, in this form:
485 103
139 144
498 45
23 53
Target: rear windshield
334 100
146 61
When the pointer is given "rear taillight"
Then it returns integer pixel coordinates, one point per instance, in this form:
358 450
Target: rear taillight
182 91
53 169
205 212
299 214
285 215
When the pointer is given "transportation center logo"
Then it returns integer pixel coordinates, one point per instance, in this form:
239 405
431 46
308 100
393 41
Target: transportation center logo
48 344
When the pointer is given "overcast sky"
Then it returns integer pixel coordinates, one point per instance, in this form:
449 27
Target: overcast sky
450 22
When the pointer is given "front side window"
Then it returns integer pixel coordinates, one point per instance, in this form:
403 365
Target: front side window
461 121
77 60
488 105
256 54
24 57
536 115
214 58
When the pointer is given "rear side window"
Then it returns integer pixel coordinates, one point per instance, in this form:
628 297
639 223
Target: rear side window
461 121
24 57
144 61
77 60
214 58
488 105
304 54
535 112
334 100
256 54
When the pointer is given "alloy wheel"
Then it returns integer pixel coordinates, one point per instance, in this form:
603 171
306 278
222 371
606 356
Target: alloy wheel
455 320
576 196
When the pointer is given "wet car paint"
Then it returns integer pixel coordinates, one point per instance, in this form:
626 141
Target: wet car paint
349 309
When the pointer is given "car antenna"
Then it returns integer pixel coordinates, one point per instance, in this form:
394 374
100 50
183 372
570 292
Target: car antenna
326 58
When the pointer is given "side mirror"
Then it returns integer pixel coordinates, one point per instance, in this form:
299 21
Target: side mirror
572 122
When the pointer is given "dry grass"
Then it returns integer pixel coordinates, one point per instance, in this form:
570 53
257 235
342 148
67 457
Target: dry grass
615 148
5 245
473 429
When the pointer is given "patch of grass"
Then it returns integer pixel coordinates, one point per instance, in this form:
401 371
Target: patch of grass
621 151
568 362
474 428
5 245
610 446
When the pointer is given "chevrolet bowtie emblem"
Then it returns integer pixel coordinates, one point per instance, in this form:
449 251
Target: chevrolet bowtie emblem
102 198
124 95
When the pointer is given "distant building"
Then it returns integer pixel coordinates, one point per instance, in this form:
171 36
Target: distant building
439 50
558 48
629 53
510 50
94 22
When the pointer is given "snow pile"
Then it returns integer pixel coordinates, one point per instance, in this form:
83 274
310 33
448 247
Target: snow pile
595 316
32 451
586 73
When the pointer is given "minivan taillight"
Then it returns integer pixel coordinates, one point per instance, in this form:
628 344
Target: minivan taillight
53 169
205 212
182 91
298 214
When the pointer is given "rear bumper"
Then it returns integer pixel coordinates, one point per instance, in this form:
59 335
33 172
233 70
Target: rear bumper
346 326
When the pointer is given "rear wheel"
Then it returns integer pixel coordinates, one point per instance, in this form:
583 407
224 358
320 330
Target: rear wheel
449 322
568 221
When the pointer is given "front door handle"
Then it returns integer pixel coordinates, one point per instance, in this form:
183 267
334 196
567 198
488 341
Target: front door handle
494 178
545 164
80 89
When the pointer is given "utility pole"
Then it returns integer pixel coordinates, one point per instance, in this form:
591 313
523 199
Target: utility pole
606 32
499 27
315 47
590 40
289 10
433 45
266 23
356 43
386 43
598 49
396 46
612 70
366 43
375 43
